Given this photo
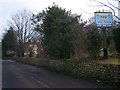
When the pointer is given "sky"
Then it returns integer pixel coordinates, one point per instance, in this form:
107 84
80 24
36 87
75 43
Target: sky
8 8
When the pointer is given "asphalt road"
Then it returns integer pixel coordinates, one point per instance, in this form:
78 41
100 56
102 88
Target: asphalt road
18 75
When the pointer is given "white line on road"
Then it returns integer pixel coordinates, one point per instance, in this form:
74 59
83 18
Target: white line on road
8 61
19 70
41 83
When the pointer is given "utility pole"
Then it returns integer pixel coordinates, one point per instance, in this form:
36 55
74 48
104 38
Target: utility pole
105 49
119 13
119 9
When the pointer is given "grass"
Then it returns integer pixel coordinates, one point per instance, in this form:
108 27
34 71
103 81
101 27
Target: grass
110 61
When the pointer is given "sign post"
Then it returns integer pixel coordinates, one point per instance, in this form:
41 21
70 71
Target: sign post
104 20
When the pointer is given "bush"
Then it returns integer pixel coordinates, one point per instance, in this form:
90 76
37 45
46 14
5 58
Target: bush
116 37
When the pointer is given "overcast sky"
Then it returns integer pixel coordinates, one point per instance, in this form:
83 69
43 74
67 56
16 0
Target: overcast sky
9 8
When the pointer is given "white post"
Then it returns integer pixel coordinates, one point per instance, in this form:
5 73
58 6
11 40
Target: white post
119 10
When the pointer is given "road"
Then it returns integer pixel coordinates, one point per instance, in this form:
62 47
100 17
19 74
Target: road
18 75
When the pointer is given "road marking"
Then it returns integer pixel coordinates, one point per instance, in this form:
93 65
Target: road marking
7 61
41 83
19 70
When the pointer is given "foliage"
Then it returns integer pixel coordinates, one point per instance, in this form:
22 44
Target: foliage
109 40
94 42
21 24
57 31
110 61
80 41
9 43
116 37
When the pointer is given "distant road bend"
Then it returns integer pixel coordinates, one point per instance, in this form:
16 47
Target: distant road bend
18 75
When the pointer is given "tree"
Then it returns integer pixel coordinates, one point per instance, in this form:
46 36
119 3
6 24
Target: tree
9 43
80 40
94 41
116 37
21 24
57 32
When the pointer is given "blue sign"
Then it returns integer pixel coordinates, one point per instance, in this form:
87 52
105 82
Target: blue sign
103 19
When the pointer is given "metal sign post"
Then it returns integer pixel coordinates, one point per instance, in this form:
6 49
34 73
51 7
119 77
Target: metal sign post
105 48
104 20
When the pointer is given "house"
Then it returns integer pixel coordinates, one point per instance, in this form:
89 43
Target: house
31 49
34 49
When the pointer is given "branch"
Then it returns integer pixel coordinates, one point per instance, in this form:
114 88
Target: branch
113 5
86 12
108 7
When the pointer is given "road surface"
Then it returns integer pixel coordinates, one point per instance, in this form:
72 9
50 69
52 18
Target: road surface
18 75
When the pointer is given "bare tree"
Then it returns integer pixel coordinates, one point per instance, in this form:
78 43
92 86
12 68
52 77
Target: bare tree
21 24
